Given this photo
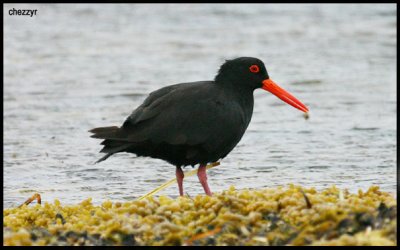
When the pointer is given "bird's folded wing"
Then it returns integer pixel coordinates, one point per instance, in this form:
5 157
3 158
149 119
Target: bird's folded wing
177 116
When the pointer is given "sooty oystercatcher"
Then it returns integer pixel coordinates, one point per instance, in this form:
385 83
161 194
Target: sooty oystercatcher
194 123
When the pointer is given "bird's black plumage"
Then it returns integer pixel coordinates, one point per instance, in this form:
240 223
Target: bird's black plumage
190 123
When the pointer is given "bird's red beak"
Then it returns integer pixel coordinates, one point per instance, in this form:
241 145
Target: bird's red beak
285 96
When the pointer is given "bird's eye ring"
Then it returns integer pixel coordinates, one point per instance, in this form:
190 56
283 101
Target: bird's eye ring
254 68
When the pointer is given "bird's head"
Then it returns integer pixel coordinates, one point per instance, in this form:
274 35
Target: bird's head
250 73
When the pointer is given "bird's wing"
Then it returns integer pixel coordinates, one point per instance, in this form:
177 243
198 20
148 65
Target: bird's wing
185 114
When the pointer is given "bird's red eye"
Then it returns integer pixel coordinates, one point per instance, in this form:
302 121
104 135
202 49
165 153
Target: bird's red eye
254 68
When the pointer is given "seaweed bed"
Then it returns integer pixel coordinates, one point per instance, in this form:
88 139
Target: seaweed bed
291 215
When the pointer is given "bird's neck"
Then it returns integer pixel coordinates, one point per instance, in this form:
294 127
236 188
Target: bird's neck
243 93
242 96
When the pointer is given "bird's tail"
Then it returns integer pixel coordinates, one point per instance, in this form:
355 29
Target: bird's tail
104 132
104 158
113 140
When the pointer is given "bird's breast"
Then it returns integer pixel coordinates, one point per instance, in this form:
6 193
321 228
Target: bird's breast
229 126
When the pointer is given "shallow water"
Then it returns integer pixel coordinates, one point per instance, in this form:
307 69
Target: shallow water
75 67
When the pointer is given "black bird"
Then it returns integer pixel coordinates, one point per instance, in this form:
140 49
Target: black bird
197 122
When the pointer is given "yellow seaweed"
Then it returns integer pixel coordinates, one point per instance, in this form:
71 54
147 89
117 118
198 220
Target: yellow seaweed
270 216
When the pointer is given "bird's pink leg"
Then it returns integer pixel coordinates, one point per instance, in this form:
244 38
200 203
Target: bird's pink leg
201 173
179 178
